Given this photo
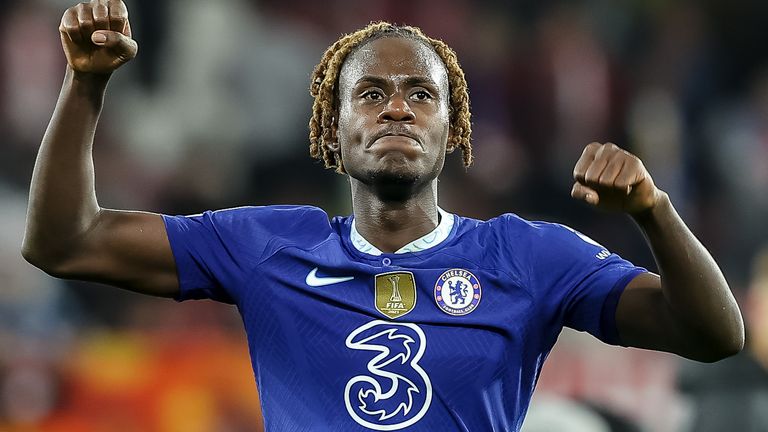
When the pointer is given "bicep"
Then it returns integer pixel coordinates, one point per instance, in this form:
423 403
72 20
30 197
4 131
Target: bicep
645 320
126 249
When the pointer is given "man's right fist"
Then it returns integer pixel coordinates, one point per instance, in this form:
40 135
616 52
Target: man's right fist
96 36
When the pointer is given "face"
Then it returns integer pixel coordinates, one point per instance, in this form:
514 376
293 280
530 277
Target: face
393 120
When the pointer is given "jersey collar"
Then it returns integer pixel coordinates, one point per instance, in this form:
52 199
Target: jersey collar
432 239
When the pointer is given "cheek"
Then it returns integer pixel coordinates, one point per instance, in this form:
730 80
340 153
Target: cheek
440 128
348 124
348 134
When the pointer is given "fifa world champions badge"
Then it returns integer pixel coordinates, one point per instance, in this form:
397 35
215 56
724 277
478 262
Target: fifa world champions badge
457 292
395 293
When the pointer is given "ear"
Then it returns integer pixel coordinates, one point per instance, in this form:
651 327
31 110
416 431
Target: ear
334 144
450 146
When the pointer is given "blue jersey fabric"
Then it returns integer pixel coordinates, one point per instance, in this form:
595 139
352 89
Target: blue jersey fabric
329 356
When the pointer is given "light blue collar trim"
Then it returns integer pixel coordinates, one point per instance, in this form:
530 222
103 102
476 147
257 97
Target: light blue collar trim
432 239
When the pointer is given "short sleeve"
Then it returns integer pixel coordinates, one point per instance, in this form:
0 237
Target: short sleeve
583 281
215 251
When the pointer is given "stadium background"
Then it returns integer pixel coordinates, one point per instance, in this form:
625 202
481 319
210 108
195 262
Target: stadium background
213 114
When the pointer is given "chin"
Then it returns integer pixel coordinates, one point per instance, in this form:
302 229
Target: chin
394 184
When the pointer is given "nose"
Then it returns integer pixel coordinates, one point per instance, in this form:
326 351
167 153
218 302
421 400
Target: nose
396 110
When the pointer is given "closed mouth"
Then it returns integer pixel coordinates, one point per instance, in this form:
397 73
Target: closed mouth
401 134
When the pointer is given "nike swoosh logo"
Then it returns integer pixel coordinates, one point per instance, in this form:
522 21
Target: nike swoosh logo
313 280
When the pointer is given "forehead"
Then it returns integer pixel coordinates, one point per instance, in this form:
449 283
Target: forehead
393 58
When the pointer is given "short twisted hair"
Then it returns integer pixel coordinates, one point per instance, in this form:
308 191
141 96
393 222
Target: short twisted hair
324 89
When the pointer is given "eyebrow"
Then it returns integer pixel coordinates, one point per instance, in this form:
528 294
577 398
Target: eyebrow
410 81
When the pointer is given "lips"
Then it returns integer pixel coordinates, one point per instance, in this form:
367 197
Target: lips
396 132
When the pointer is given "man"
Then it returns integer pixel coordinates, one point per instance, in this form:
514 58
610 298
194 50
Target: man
402 316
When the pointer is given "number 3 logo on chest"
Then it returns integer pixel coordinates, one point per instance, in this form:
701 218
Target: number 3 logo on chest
395 392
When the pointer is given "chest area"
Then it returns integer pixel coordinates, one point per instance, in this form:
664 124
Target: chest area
387 335
441 288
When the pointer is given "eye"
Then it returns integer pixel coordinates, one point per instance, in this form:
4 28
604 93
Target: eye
373 95
421 95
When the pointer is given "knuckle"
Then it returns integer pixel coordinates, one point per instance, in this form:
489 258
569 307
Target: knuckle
640 165
628 156
118 13
67 17
600 152
100 10
592 146
118 21
84 16
606 180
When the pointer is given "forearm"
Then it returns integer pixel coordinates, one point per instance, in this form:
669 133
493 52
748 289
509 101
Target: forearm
62 199
692 284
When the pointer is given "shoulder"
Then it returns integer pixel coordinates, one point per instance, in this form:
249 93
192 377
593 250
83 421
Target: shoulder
544 230
280 215
511 225
277 220
530 238
255 226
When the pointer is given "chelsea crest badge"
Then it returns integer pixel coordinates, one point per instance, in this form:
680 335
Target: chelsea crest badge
457 292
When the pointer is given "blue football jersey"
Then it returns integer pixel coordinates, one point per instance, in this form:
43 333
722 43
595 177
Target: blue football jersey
450 337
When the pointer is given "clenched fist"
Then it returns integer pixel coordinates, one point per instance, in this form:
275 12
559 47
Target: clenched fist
96 36
612 178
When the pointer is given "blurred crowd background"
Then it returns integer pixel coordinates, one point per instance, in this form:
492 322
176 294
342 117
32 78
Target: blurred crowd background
213 113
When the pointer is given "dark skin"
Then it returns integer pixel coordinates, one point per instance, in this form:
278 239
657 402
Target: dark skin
68 234
392 136
392 133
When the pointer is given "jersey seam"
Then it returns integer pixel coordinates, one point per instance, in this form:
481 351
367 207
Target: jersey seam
499 269
257 266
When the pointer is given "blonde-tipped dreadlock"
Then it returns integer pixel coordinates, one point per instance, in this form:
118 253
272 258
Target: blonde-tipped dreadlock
325 80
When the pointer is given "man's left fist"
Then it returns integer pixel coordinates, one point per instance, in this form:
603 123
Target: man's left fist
612 178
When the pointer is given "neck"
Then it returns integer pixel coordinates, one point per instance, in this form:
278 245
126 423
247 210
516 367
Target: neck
392 224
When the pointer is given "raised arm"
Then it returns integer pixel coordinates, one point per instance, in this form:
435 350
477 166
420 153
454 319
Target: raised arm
68 234
690 309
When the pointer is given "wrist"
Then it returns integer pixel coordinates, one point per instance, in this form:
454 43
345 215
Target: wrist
86 86
662 205
86 80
